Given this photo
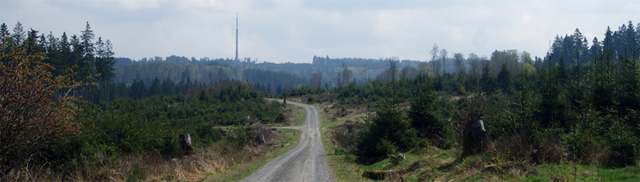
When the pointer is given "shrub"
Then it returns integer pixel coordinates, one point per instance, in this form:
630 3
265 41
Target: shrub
551 150
344 140
583 147
388 131
34 114
137 174
386 147
310 100
622 144
240 137
515 148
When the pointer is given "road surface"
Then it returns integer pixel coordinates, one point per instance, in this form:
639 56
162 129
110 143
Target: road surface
306 162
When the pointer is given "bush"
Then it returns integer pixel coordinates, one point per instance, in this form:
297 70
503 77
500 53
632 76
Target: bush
33 113
344 140
388 131
386 147
137 174
515 148
551 150
310 100
240 137
584 147
622 145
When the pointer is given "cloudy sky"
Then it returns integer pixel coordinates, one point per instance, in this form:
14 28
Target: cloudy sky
296 30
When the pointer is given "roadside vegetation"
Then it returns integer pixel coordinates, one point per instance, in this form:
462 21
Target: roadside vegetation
561 122
49 133
571 116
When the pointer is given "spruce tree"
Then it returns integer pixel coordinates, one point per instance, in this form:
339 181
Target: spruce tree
504 79
425 116
389 130
486 81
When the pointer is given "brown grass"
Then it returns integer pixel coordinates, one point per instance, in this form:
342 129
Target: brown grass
212 159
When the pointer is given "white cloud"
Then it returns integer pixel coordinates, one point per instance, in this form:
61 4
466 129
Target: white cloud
295 30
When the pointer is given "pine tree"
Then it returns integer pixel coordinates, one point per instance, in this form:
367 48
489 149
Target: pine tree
504 79
424 114
155 88
388 131
18 35
4 31
486 81
552 108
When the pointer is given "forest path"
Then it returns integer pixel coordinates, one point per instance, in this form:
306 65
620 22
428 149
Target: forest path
306 162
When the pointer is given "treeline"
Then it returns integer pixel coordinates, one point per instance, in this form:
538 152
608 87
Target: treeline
590 110
272 82
92 62
134 80
147 71
51 125
206 70
621 43
586 112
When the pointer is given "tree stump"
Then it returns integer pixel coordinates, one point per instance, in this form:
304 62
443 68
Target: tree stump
185 144
473 137
260 139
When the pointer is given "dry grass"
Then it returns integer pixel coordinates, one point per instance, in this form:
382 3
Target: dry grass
216 159
216 162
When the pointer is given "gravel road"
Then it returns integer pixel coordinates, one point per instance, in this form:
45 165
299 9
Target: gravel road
306 162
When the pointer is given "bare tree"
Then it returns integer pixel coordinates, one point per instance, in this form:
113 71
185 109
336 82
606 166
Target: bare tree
434 52
391 72
344 75
436 66
338 78
408 72
474 64
458 58
347 74
443 54
316 80
364 71
424 68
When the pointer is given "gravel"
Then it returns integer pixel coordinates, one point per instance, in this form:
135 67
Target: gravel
306 162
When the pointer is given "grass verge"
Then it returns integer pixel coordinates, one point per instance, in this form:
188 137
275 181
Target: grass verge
241 170
296 116
444 165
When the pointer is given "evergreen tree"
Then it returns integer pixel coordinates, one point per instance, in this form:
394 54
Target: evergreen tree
504 79
563 73
4 31
424 114
168 87
155 88
552 108
18 35
486 81
388 131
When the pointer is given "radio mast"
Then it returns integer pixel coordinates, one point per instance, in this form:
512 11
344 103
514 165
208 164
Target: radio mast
236 37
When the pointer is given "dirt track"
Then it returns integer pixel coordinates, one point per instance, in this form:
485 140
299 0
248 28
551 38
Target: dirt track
306 162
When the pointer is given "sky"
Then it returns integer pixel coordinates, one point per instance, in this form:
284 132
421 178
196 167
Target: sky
296 30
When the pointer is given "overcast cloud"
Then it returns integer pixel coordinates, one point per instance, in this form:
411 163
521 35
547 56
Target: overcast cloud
296 30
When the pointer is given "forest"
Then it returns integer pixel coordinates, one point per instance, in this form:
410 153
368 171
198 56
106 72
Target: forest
536 111
67 102
68 120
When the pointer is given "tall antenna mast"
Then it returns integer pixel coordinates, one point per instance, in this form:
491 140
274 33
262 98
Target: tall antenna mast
236 36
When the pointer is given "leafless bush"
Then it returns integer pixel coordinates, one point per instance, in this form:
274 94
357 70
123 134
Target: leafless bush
344 140
511 154
513 148
550 151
